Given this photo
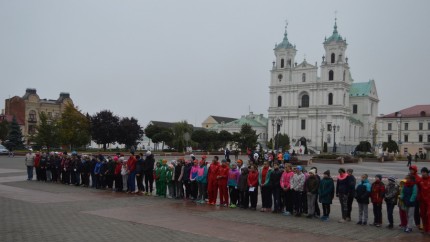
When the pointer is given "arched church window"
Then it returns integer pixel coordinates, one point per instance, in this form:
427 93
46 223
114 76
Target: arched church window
333 57
282 63
279 101
330 99
305 101
303 77
331 75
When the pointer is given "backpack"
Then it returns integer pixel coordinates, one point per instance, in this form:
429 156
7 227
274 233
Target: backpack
361 194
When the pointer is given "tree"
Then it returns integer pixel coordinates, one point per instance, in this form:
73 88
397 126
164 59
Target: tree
47 132
284 141
152 130
364 146
74 128
248 137
214 143
4 129
14 138
104 128
179 131
391 146
165 136
201 137
270 143
130 132
225 137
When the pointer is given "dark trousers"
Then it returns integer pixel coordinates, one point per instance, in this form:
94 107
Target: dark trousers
149 181
109 181
304 202
288 200
343 199
118 183
93 180
390 208
187 188
139 181
202 191
43 174
276 193
326 210
98 183
297 197
349 205
244 199
377 213
253 198
179 189
66 177
38 173
233 194
85 179
266 196
73 177
54 174
317 207
417 213
194 189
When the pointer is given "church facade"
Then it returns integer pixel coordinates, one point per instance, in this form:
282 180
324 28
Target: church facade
316 105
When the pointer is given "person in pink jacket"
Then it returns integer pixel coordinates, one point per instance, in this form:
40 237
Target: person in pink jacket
193 175
286 191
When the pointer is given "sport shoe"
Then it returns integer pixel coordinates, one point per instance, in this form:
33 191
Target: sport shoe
364 223
359 223
348 219
390 226
287 213
341 221
377 225
408 230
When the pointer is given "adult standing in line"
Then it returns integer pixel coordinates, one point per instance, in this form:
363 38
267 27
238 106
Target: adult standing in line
297 184
148 170
139 174
131 170
29 162
266 189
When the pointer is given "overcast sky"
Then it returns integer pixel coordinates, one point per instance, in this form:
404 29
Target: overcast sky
186 60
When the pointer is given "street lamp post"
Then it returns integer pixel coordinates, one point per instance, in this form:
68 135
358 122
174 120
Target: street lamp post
273 133
335 128
278 128
322 136
399 125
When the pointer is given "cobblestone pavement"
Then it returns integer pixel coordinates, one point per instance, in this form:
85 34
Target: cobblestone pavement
38 211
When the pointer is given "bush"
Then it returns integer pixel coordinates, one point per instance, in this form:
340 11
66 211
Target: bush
371 156
349 159
326 156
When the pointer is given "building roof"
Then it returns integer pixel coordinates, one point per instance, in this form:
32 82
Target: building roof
251 119
170 125
360 89
336 37
411 112
285 44
9 119
219 119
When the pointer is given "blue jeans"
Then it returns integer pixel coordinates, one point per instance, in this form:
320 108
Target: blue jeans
131 182
30 172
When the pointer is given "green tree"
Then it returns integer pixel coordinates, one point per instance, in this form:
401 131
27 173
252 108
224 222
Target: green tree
14 139
224 137
130 132
152 130
165 136
284 141
248 137
214 143
201 138
74 128
364 146
104 128
391 146
47 133
270 143
179 131
4 129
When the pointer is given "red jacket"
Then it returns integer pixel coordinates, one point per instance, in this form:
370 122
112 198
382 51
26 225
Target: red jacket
377 192
131 163
253 179
424 190
118 168
213 171
37 160
223 172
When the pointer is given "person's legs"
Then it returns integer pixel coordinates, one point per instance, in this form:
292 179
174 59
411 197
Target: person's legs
343 199
390 208
410 212
365 213
425 215
417 217
317 207
349 206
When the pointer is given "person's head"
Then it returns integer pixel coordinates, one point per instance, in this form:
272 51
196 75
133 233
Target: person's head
233 166
137 157
215 159
299 169
311 172
378 178
350 171
253 168
341 171
410 178
202 162
224 162
314 168
425 172
204 158
413 169
391 179
327 173
276 166
364 177
195 162
288 168
158 163
164 162
239 163
266 164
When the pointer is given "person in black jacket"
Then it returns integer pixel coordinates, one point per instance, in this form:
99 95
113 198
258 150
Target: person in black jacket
342 191
139 173
275 182
85 171
186 178
351 192
148 170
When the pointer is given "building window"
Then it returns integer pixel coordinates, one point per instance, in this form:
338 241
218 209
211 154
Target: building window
390 126
329 127
390 137
355 108
420 126
428 126
406 138
330 99
303 124
31 129
303 77
428 138
32 116
330 75
406 126
333 58
305 101
279 101
420 138
289 62
282 63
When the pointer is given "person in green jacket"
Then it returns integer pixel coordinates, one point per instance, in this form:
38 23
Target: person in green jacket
266 188
160 178
326 194
170 181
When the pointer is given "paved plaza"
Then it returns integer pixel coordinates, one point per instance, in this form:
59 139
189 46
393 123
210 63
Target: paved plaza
38 211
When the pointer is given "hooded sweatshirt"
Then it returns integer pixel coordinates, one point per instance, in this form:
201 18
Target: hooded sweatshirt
286 178
342 184
233 178
243 180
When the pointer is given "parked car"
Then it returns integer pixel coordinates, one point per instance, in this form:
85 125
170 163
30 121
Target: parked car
3 150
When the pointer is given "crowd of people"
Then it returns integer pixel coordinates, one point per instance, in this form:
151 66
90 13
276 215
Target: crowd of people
284 189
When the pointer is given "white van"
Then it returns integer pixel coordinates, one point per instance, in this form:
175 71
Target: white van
3 150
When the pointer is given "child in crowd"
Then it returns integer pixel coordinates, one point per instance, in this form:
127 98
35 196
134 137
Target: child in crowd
326 194
222 183
409 197
391 194
266 192
311 185
377 197
253 186
402 207
243 188
202 181
298 185
286 189
170 180
362 194
233 182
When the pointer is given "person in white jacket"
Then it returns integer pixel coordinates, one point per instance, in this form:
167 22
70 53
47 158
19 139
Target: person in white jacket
297 186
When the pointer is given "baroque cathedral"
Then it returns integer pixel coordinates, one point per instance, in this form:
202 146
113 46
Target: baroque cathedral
314 106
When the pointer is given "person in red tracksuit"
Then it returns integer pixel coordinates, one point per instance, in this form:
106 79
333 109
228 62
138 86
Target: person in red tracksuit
424 196
253 186
222 183
213 173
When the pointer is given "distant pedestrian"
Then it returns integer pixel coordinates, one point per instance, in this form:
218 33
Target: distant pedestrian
409 157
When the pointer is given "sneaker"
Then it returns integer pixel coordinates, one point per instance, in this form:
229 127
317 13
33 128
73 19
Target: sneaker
408 230
421 227
310 216
233 206
348 219
377 225
287 213
324 219
359 223
341 221
390 226
364 223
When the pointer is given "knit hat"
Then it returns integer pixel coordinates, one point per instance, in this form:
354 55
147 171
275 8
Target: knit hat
148 153
341 170
379 176
299 168
424 169
223 161
327 172
115 158
312 171
392 179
